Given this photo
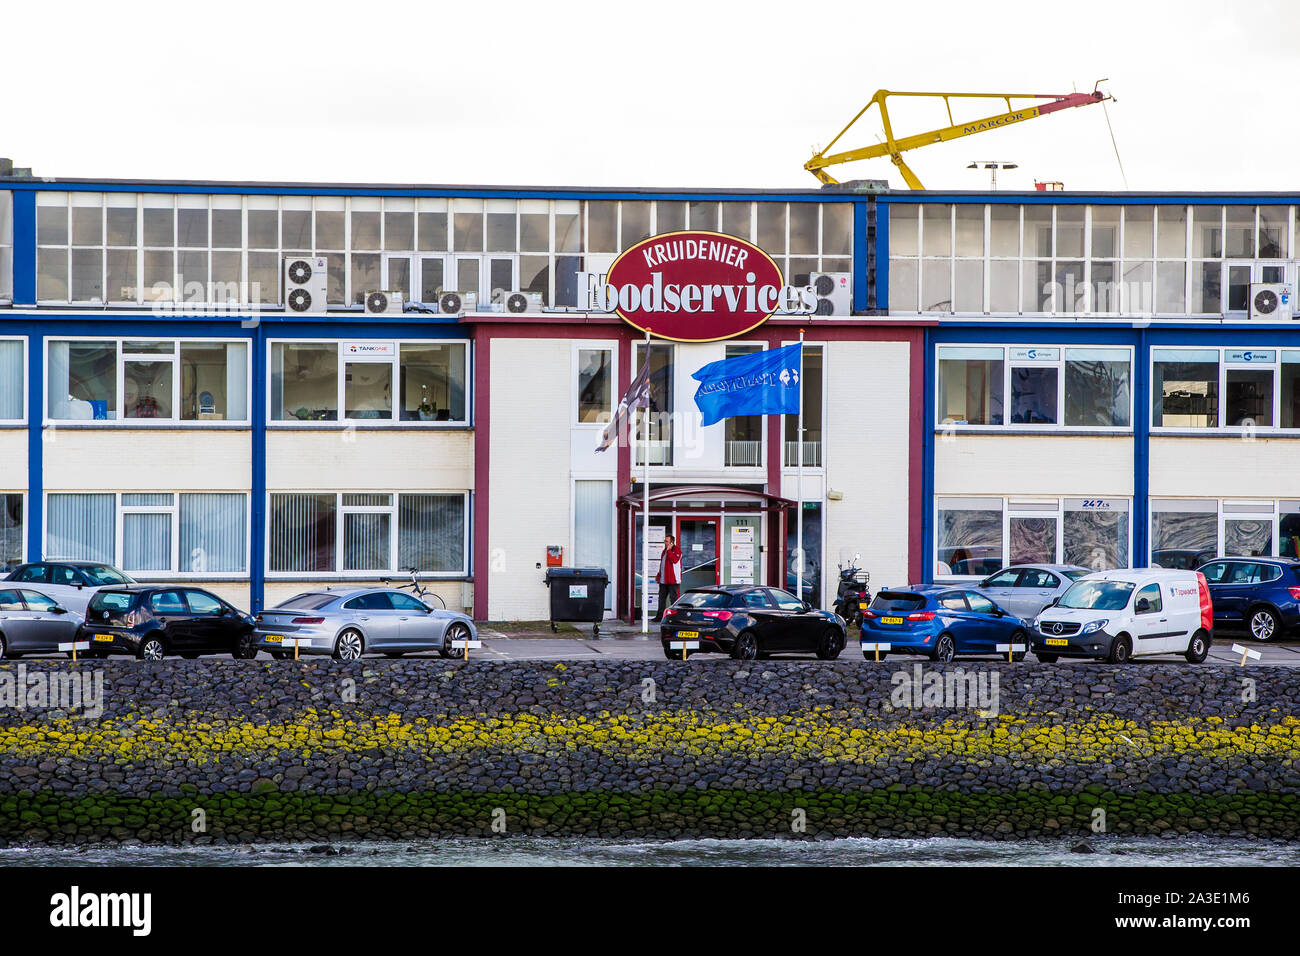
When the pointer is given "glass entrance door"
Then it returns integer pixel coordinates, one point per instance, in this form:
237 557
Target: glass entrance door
698 539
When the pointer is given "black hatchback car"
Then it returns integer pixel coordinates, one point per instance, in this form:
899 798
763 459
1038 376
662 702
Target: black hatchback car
748 621
152 622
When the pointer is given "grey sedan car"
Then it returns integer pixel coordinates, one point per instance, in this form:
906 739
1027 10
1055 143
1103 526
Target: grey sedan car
33 623
1025 589
348 623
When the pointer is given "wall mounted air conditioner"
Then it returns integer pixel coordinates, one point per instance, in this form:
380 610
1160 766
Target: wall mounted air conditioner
1271 302
454 303
306 281
834 292
383 303
517 301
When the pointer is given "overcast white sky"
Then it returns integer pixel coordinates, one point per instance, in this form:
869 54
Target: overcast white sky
649 93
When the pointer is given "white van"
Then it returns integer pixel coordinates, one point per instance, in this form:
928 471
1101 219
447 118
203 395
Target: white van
1117 615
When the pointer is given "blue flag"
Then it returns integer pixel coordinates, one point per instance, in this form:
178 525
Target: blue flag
764 383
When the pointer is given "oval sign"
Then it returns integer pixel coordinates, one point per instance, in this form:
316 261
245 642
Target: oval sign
693 286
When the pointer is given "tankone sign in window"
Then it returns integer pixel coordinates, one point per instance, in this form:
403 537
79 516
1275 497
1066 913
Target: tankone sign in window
698 287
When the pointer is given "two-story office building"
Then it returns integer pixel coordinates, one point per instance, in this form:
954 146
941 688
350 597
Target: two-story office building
168 405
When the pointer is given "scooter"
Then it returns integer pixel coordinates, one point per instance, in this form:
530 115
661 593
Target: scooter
853 593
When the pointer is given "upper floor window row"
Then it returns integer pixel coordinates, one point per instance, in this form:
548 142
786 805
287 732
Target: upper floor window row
127 248
6 246
1111 259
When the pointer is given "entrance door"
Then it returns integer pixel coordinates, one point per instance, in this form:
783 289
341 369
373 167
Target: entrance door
698 539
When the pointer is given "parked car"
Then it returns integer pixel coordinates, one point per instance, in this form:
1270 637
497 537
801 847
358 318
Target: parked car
749 621
1261 594
356 621
33 623
71 583
1025 589
940 621
152 622
1183 559
1118 615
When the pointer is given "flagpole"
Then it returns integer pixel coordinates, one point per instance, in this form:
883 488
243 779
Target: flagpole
645 505
799 479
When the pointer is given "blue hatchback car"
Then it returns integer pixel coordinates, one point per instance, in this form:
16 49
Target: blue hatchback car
940 621
1260 594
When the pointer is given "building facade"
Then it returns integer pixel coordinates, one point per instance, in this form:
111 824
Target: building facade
1050 376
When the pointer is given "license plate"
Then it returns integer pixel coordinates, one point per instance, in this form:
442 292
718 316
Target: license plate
891 620
1057 642
272 638
104 637
686 634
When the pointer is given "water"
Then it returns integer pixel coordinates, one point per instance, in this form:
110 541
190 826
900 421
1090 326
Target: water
534 851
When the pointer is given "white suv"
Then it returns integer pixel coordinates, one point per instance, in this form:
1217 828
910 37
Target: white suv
1118 615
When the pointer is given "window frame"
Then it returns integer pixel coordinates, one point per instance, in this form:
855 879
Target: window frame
394 510
174 510
23 381
1059 363
592 345
23 528
1273 366
395 362
1226 509
120 359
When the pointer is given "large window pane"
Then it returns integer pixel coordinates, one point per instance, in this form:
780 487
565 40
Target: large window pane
1239 232
1094 533
302 532
52 275
147 389
936 229
970 230
837 229
810 384
52 225
13 545
366 541
602 226
1184 536
304 381
82 380
1139 231
1037 239
214 380
122 285
655 425
803 227
1171 237
331 229
80 527
1105 232
146 541
1069 232
12 380
1185 389
213 533
1171 278
635 224
368 390
433 382
1207 232
1032 539
969 537
903 229
1248 396
936 285
771 227
670 216
902 285
431 532
399 230
1097 388
1290 389
1273 230
968 295
87 275
970 386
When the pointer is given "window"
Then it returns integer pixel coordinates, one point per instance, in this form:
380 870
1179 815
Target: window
359 533
13 380
203 604
1034 385
309 380
970 385
743 434
1184 533
151 533
1257 387
595 385
655 425
973 534
978 603
1097 383
785 600
145 381
953 601
6 246
12 541
1151 595
811 389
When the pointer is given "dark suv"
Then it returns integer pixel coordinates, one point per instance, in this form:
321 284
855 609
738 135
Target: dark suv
151 622
1261 594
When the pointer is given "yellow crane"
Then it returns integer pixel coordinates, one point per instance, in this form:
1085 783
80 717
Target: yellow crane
894 148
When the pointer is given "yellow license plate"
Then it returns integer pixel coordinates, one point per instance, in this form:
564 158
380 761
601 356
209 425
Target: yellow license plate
891 620
104 637
1058 642
273 639
688 633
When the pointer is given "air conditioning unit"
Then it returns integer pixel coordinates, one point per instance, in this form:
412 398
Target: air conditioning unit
306 281
454 303
517 301
382 303
834 292
1271 301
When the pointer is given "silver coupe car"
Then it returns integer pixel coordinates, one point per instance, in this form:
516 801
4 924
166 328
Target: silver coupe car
348 623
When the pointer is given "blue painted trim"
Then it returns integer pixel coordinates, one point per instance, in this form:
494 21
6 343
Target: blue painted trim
1141 450
1097 199
498 192
257 557
1027 333
882 257
928 530
859 260
24 248
35 513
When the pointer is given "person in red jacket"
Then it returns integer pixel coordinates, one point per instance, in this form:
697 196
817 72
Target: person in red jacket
669 576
